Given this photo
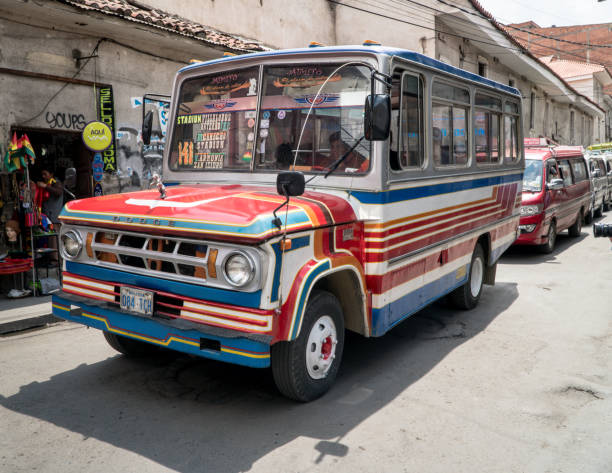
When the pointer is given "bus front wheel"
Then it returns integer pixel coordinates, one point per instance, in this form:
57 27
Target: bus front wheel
467 296
129 346
305 368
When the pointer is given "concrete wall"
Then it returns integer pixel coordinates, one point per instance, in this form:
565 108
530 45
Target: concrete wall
44 51
277 23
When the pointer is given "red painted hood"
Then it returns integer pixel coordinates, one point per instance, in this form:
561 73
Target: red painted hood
233 212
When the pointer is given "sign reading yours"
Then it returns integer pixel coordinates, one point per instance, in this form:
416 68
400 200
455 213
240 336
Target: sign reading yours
97 136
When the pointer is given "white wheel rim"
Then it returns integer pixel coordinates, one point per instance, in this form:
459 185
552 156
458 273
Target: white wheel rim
476 277
321 347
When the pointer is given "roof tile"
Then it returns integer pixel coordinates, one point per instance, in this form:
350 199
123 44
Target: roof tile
159 19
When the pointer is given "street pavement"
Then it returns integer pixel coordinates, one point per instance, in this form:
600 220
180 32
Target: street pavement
23 314
522 383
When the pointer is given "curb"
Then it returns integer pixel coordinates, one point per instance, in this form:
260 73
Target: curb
27 323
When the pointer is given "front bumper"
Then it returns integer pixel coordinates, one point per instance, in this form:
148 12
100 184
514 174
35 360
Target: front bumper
239 348
533 230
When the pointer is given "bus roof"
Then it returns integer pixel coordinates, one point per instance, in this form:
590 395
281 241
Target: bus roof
553 151
388 51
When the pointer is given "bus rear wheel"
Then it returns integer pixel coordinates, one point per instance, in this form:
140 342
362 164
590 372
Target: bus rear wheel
467 296
305 368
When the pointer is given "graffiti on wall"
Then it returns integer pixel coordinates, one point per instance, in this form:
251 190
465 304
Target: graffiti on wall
69 121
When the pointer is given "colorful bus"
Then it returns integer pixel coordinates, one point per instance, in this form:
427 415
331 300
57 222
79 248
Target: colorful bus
305 192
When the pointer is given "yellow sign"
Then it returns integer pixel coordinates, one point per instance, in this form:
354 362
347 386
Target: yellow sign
97 136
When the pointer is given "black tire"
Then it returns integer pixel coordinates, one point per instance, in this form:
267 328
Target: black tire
467 296
576 228
290 360
549 246
588 218
606 205
598 211
130 347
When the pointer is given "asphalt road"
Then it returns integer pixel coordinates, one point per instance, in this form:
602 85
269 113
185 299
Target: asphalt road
523 383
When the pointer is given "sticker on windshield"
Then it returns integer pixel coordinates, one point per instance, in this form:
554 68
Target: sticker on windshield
251 123
263 133
317 99
304 76
189 119
265 124
209 161
250 114
266 115
220 104
281 114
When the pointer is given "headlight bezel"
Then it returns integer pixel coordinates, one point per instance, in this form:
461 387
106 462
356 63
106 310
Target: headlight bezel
251 265
75 236
529 210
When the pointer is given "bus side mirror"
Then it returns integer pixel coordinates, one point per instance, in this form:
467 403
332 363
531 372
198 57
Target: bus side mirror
70 178
147 126
290 183
377 122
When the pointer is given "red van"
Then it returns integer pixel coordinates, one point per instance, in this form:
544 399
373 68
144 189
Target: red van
556 194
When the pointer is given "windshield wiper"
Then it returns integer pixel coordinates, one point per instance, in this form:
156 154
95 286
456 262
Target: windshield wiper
339 161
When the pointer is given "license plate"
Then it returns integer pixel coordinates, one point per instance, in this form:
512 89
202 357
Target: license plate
137 300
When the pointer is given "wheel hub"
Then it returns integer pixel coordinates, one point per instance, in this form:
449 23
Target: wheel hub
321 347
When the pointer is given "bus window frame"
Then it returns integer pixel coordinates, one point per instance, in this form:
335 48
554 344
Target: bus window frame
423 142
500 139
507 160
468 106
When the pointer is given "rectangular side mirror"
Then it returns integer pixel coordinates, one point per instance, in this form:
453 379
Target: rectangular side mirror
290 183
377 121
554 184
147 126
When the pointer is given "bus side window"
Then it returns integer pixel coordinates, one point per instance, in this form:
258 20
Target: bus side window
411 122
449 110
395 121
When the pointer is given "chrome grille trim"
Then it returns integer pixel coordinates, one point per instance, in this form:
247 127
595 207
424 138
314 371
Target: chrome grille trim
173 258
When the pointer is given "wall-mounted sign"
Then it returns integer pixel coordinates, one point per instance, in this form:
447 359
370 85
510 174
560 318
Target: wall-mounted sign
97 136
98 167
106 114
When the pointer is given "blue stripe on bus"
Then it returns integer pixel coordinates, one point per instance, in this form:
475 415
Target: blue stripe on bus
296 243
385 318
320 268
399 195
245 299
237 350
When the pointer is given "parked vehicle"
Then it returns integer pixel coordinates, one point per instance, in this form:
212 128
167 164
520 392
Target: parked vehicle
556 193
236 258
599 177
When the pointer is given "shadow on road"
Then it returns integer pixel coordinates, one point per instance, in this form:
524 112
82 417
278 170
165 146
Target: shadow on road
522 254
196 415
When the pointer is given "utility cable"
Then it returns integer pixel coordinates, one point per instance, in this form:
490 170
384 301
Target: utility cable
95 49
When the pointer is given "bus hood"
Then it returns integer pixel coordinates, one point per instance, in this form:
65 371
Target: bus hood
227 212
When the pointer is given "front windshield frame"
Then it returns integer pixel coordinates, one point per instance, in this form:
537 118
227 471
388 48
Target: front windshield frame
365 65
534 171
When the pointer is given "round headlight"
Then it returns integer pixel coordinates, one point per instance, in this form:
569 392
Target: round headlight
238 269
71 244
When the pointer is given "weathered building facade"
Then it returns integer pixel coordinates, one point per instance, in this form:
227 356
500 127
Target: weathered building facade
58 56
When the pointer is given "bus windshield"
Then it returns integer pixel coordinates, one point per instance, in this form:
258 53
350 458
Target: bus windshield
532 178
217 127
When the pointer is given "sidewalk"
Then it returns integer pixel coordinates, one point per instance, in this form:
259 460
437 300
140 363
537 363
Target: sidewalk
26 313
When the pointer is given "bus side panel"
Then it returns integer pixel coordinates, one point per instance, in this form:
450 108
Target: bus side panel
422 249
